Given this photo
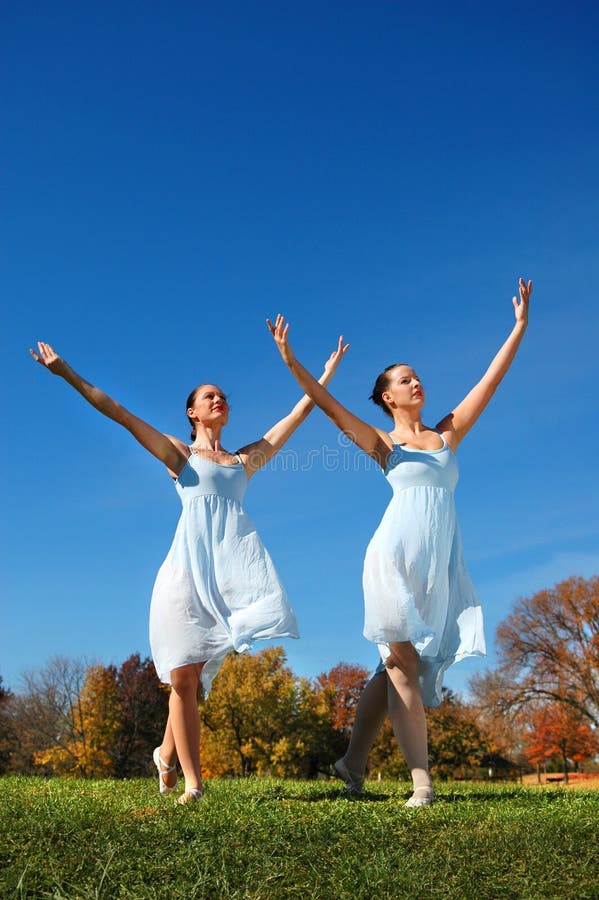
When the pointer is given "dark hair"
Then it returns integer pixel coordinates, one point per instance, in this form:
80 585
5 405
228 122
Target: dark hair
380 385
190 401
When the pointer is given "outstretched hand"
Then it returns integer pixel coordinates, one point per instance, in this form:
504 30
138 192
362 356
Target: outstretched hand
521 305
47 357
280 331
336 356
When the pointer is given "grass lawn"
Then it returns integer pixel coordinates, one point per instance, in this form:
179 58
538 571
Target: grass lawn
267 838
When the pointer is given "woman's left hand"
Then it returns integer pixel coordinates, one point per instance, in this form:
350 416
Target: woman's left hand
521 305
336 356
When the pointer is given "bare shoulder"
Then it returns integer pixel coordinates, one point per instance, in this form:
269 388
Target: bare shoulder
383 448
183 449
178 443
384 437
445 427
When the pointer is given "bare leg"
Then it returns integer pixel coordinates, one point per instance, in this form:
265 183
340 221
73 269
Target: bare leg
407 717
184 724
168 755
370 714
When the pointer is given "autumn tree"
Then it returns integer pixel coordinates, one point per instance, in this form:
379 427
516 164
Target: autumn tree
47 713
386 760
143 711
538 744
501 722
248 719
550 647
456 744
314 732
339 691
8 737
558 731
344 685
88 752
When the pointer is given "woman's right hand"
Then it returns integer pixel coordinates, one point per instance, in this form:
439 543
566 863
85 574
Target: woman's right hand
279 332
46 356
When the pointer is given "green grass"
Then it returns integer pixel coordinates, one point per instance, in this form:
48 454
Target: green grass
288 839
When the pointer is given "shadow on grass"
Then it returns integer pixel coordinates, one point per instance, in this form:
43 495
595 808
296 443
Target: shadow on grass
339 793
482 797
326 796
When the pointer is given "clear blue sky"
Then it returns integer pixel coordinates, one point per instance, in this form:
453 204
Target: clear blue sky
174 173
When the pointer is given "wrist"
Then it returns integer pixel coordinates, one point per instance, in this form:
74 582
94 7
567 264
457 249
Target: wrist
63 369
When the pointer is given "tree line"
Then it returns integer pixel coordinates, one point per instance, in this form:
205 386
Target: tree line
539 707
260 719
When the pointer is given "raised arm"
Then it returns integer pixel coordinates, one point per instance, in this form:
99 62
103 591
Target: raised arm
158 444
456 425
372 440
257 454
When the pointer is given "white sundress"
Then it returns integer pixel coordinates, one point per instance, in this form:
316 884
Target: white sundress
416 587
217 590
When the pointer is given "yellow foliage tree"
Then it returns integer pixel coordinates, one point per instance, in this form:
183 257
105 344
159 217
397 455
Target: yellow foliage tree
252 721
89 752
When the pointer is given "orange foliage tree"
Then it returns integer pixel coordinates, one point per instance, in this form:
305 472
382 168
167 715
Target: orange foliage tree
338 691
558 731
550 647
343 685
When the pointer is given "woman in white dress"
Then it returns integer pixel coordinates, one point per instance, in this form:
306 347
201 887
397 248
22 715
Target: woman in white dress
217 589
421 608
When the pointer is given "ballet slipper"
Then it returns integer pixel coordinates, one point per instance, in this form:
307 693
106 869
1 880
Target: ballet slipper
354 784
191 796
163 769
422 796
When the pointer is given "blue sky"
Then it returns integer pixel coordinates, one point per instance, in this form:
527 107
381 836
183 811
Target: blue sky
174 173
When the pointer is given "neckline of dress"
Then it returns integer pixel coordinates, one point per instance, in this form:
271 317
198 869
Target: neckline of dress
213 461
420 449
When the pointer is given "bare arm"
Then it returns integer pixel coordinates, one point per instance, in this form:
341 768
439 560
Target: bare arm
373 441
258 453
158 444
458 423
